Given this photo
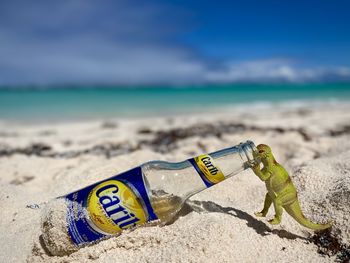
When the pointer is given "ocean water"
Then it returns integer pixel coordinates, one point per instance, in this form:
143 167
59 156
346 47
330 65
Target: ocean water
55 104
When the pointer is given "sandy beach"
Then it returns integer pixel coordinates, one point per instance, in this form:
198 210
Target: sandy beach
39 162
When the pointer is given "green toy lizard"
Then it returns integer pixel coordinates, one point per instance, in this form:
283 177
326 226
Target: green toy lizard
280 191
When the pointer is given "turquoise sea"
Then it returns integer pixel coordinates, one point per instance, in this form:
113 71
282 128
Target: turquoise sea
69 103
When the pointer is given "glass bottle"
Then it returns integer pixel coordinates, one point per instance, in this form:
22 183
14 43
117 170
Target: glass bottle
152 192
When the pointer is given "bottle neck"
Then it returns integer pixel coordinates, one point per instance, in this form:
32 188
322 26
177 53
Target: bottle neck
220 165
240 155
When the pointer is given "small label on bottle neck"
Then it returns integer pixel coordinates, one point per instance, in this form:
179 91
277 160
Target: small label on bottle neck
206 168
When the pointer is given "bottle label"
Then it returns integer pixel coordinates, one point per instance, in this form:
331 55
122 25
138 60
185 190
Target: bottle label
108 207
206 168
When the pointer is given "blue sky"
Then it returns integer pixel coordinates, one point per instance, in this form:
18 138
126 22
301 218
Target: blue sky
173 42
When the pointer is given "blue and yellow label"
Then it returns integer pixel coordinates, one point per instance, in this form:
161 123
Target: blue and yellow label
206 168
108 207
112 207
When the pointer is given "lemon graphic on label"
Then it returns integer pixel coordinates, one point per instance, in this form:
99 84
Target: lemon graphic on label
113 206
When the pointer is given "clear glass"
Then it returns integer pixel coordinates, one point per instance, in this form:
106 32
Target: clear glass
170 184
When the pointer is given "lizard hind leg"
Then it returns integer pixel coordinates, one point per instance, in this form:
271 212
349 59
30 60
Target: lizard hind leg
267 204
278 213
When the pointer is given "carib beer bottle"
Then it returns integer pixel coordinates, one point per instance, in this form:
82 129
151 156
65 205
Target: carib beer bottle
154 191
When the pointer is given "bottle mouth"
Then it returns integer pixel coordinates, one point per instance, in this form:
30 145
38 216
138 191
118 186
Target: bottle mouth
248 149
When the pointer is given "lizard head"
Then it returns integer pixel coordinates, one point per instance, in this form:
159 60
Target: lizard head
264 152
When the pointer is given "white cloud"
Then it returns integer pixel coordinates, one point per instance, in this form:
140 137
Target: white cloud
274 70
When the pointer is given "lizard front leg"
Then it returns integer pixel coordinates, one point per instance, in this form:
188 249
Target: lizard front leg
263 175
267 204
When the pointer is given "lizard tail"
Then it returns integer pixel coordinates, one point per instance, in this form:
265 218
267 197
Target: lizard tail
294 210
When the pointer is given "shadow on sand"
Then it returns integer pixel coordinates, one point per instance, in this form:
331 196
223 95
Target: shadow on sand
260 227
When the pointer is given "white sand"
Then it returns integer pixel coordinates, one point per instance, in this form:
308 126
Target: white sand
217 225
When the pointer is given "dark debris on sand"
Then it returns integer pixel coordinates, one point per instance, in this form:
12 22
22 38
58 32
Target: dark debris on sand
340 131
108 150
109 125
165 140
160 141
329 245
42 150
39 149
